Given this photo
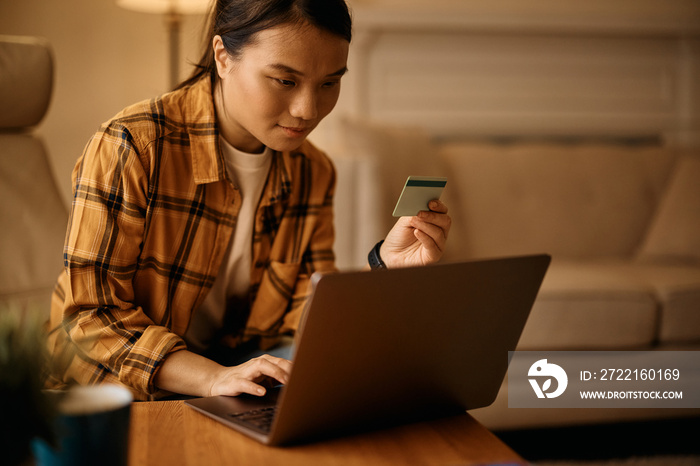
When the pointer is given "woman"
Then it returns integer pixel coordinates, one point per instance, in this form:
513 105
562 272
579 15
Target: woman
199 217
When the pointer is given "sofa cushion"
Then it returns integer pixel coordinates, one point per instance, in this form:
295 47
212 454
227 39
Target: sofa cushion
585 200
677 291
674 234
613 304
591 305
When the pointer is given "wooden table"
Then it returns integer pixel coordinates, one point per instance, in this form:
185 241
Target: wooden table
170 433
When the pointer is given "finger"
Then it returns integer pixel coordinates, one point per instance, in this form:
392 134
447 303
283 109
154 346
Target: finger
284 365
437 229
233 383
436 205
275 359
263 366
441 219
432 251
248 387
431 237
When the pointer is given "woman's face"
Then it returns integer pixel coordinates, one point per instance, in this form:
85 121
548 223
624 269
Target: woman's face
282 84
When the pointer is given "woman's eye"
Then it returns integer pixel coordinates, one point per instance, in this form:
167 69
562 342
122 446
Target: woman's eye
330 84
285 82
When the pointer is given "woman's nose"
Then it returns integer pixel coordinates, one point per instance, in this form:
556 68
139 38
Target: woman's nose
304 105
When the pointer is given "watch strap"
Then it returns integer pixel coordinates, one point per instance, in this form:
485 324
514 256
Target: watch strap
374 259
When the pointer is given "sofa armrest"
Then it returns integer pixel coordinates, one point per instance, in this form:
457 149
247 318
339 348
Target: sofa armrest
674 233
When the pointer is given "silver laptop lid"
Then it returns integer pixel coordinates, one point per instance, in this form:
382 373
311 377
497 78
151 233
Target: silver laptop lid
390 346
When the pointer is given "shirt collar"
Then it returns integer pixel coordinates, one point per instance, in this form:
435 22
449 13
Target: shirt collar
207 161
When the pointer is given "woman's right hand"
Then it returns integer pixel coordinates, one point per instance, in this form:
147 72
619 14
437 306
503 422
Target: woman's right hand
188 373
248 377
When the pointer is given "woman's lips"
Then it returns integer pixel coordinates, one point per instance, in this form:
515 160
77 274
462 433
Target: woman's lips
294 132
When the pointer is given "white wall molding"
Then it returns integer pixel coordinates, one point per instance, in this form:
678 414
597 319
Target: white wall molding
602 17
490 73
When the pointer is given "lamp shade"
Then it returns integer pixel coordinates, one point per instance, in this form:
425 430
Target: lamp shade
184 7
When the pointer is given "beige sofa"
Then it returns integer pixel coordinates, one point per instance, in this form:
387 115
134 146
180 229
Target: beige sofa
622 222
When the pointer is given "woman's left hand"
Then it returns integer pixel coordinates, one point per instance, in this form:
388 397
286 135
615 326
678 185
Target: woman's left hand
418 240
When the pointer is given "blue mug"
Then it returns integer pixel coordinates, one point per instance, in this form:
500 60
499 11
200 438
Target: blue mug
92 427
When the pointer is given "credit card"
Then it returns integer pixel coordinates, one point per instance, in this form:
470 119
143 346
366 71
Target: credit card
417 192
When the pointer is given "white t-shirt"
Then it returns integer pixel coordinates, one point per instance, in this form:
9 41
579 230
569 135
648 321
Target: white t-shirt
248 173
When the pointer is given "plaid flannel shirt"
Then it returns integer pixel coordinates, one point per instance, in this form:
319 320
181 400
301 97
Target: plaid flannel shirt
152 214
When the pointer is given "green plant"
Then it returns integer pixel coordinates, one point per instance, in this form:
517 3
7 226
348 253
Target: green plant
25 412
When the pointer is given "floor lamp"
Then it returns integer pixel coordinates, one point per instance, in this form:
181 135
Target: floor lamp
173 10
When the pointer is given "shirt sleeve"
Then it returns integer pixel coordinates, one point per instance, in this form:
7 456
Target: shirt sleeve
112 336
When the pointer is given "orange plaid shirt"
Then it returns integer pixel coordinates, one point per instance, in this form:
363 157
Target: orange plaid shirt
153 212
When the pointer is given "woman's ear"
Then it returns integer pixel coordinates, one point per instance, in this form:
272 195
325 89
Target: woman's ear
221 57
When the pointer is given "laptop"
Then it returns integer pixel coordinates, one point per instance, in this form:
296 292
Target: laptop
382 348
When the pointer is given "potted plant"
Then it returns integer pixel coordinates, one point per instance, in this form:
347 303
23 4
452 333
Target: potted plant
26 412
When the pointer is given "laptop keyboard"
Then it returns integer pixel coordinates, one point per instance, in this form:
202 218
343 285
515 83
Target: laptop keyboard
259 419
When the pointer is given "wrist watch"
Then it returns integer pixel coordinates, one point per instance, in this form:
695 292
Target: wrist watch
374 259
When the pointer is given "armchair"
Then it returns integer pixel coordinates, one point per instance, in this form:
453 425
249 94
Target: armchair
33 215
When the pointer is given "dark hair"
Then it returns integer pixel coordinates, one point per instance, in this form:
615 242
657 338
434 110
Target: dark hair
237 22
